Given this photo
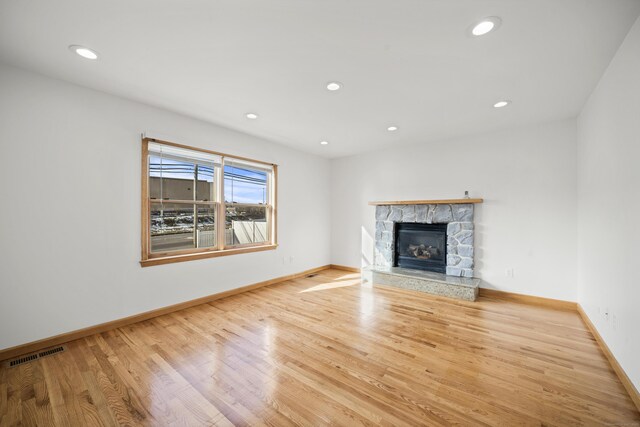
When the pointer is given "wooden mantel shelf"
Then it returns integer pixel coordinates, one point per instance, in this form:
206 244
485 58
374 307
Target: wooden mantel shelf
428 202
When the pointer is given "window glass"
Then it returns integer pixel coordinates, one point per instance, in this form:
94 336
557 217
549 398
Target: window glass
170 179
243 184
246 225
206 226
205 190
172 226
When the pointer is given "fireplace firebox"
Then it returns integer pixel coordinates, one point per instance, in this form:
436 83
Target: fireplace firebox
421 246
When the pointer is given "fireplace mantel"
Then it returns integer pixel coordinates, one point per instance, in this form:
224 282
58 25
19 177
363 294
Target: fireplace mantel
428 202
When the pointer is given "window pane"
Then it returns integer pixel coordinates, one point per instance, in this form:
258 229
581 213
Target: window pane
244 185
206 221
172 227
205 187
246 224
170 178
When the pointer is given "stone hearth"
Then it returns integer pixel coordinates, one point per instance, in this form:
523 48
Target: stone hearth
464 288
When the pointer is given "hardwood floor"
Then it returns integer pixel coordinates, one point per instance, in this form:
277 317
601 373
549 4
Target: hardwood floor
327 350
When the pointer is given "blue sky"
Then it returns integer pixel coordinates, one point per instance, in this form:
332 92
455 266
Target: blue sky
246 186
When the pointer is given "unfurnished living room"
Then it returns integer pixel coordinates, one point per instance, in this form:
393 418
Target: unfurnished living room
295 212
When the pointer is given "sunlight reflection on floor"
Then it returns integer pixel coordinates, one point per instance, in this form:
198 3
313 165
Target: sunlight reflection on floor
334 284
348 276
367 305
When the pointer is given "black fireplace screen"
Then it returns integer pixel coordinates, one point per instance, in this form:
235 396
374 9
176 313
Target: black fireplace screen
421 246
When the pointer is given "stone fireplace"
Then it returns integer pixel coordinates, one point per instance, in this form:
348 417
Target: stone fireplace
455 222
426 246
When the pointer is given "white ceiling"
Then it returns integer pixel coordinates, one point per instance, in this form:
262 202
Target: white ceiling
409 63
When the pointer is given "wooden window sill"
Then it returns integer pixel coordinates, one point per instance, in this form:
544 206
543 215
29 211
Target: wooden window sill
202 255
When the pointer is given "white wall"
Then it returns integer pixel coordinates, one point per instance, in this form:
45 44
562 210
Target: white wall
70 210
526 176
609 206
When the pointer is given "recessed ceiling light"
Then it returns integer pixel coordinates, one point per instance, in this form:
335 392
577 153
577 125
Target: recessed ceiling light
333 86
486 25
501 104
392 128
324 143
251 116
85 52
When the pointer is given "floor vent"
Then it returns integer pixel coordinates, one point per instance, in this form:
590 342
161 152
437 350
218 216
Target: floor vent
34 356
312 275
24 359
51 351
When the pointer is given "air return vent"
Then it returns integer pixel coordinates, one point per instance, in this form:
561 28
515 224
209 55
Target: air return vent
51 351
24 359
34 356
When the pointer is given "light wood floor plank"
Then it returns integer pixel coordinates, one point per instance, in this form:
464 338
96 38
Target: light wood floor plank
327 350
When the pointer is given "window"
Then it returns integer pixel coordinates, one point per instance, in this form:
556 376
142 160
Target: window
199 204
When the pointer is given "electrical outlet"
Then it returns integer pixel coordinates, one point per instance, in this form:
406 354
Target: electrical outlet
291 260
509 272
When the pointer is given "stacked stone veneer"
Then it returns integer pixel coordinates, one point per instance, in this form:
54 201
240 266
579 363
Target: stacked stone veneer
459 220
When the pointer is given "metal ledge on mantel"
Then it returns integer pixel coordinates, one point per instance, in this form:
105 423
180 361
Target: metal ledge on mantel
428 202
